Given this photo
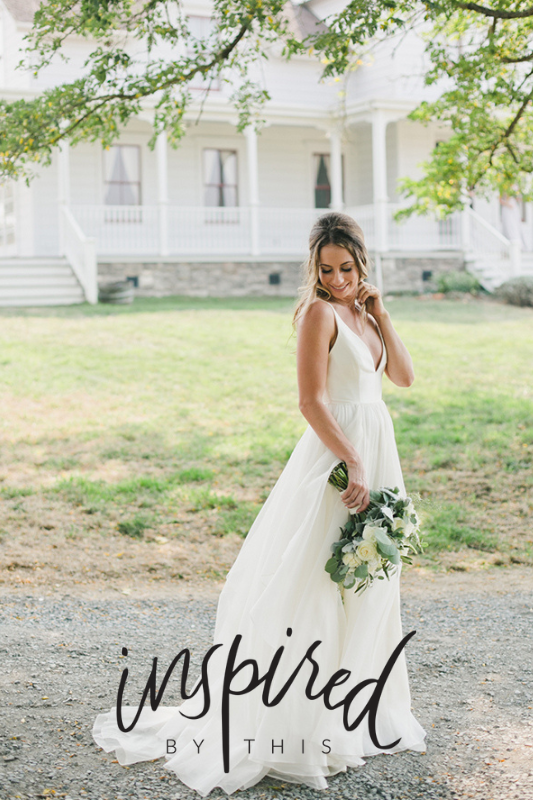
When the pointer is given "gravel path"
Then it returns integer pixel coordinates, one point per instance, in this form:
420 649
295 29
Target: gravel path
471 678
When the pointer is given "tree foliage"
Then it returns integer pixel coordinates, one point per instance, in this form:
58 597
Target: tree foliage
482 53
144 54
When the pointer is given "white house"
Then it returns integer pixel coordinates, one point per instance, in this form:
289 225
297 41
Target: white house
229 212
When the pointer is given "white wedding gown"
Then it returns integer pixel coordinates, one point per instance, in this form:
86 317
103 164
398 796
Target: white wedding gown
278 582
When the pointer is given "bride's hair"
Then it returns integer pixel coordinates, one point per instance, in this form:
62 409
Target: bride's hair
332 228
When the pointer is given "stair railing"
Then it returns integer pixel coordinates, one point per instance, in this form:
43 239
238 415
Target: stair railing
80 252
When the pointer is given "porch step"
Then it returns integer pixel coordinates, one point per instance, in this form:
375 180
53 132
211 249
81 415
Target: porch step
38 282
489 272
527 264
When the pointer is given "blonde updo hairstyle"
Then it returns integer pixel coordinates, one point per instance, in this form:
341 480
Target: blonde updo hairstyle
343 231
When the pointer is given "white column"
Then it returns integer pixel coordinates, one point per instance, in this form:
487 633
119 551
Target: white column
253 187
465 230
336 170
379 177
64 173
515 257
162 191
63 189
24 219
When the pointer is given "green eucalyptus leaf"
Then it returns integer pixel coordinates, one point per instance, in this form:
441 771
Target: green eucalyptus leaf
331 565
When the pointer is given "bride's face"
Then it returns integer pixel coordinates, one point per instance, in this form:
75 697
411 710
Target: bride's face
338 272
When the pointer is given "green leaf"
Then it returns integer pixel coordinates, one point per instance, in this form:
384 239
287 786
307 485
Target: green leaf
338 576
383 538
349 582
331 565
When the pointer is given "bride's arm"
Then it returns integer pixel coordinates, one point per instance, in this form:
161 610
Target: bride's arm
315 334
399 363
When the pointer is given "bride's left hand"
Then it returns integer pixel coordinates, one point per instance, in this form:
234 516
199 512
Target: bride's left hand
369 294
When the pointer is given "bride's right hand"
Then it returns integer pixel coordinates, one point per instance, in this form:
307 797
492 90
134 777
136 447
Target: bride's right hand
357 493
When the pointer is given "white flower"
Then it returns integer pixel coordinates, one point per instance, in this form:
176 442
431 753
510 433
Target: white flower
351 560
398 524
374 565
369 532
410 509
408 527
367 551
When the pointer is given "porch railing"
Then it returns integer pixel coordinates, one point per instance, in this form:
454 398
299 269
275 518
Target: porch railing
423 233
199 231
488 253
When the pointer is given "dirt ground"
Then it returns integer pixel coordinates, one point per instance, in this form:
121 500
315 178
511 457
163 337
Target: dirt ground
49 542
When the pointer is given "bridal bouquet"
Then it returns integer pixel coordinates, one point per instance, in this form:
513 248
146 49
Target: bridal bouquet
375 541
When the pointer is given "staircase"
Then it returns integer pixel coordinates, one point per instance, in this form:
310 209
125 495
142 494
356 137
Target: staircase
488 254
491 272
38 282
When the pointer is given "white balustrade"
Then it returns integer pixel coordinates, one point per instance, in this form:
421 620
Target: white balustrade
365 218
285 231
209 231
121 230
423 232
80 252
205 232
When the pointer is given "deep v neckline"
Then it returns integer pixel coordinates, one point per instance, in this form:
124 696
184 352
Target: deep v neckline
376 369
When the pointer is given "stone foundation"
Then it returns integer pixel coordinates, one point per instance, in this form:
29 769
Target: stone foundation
207 279
262 278
417 273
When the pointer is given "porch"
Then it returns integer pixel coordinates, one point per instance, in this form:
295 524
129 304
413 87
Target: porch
129 235
103 215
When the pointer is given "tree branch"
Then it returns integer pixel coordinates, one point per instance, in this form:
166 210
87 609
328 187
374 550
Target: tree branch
102 100
490 12
518 60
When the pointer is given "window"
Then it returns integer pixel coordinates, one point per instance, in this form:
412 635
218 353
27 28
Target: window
322 179
122 175
322 182
220 178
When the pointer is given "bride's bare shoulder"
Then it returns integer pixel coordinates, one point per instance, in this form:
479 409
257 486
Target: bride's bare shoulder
319 312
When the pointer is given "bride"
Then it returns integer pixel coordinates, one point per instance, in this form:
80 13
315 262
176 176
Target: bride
278 600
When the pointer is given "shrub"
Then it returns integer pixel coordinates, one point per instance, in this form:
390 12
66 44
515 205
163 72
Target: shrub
458 282
517 291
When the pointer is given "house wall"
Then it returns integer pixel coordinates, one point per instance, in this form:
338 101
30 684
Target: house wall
10 44
286 165
185 163
414 144
45 209
358 167
297 85
87 167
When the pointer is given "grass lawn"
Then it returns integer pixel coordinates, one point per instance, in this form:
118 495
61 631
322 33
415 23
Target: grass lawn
144 438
